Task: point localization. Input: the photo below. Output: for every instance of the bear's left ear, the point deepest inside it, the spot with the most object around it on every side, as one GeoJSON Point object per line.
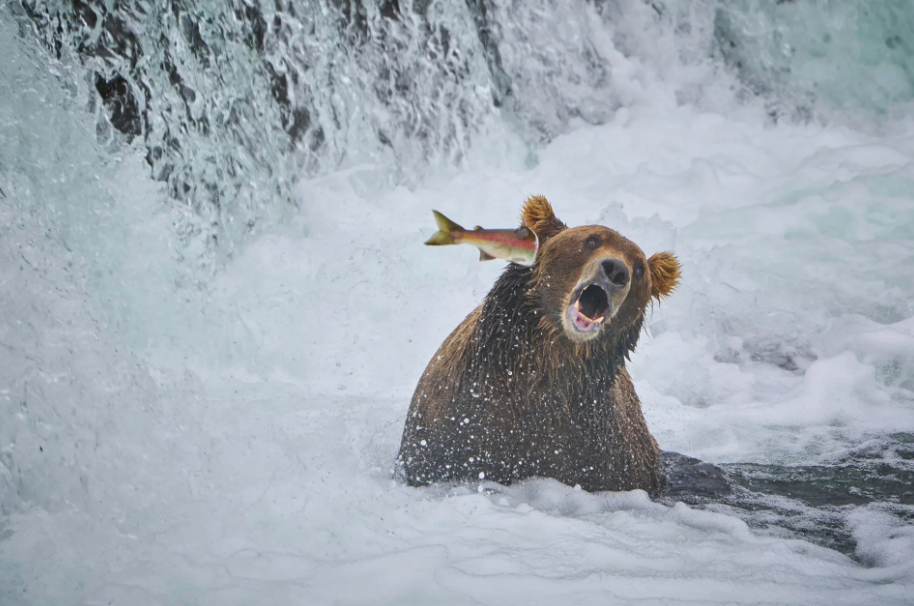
{"type": "Point", "coordinates": [664, 268]}
{"type": "Point", "coordinates": [538, 215]}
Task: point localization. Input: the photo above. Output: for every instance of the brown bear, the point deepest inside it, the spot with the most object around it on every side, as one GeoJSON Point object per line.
{"type": "Point", "coordinates": [533, 382]}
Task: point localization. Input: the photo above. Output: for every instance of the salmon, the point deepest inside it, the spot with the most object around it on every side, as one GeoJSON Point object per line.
{"type": "Point", "coordinates": [516, 245]}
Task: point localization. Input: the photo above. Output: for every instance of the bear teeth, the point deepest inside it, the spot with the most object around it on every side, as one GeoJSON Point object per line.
{"type": "Point", "coordinates": [592, 299]}
{"type": "Point", "coordinates": [577, 305]}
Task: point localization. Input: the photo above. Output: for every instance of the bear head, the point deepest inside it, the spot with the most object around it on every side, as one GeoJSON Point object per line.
{"type": "Point", "coordinates": [590, 282]}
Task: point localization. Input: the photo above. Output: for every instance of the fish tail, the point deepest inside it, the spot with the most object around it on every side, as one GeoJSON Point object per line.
{"type": "Point", "coordinates": [445, 233]}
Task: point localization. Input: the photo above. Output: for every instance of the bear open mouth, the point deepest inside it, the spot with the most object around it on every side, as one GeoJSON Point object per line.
{"type": "Point", "coordinates": [589, 309]}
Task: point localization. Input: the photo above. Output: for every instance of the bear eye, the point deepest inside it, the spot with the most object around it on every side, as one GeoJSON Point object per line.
{"type": "Point", "coordinates": [593, 242]}
{"type": "Point", "coordinates": [639, 270]}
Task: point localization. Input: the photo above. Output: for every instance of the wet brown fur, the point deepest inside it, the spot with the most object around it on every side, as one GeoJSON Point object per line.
{"type": "Point", "coordinates": [510, 395]}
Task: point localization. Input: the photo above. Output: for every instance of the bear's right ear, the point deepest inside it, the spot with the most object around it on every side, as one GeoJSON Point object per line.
{"type": "Point", "coordinates": [538, 216]}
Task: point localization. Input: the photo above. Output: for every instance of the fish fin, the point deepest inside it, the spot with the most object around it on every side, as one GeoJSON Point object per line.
{"type": "Point", "coordinates": [477, 228]}
{"type": "Point", "coordinates": [484, 256]}
{"type": "Point", "coordinates": [445, 233]}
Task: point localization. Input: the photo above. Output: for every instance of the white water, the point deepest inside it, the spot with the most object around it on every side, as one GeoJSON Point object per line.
{"type": "Point", "coordinates": [232, 444]}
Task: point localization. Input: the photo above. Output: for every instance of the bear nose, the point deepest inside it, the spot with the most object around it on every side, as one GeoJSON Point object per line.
{"type": "Point", "coordinates": [615, 271]}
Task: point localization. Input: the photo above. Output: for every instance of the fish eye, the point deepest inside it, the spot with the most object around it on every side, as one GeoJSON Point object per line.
{"type": "Point", "coordinates": [639, 270]}
{"type": "Point", "coordinates": [593, 242]}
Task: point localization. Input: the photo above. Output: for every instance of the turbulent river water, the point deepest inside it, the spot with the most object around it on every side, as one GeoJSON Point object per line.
{"type": "Point", "coordinates": [215, 302]}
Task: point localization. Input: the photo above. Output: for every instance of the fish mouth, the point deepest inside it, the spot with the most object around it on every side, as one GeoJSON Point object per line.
{"type": "Point", "coordinates": [590, 306]}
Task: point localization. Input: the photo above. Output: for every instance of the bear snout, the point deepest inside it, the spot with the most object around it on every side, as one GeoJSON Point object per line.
{"type": "Point", "coordinates": [615, 272]}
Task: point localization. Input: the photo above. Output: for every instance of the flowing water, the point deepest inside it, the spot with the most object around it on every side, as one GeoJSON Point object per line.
{"type": "Point", "coordinates": [215, 302]}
